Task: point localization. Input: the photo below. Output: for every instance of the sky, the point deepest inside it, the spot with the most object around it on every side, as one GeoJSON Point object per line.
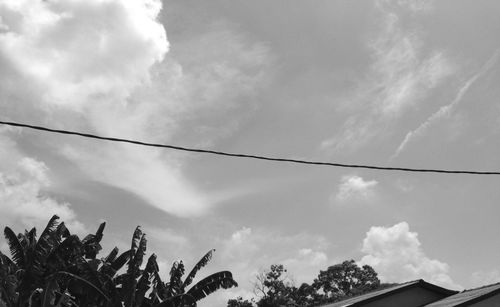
{"type": "Point", "coordinates": [408, 83]}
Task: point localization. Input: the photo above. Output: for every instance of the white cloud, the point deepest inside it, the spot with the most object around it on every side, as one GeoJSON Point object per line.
{"type": "Point", "coordinates": [355, 187]}
{"type": "Point", "coordinates": [397, 255]}
{"type": "Point", "coordinates": [80, 50]}
{"type": "Point", "coordinates": [247, 250]}
{"type": "Point", "coordinates": [307, 255]}
{"type": "Point", "coordinates": [102, 67]}
{"type": "Point", "coordinates": [23, 198]}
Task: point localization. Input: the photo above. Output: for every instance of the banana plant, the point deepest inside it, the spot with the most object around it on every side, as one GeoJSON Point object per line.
{"type": "Point", "coordinates": [57, 269]}
{"type": "Point", "coordinates": [175, 292]}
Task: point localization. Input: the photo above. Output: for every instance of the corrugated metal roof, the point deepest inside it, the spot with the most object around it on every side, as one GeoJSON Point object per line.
{"type": "Point", "coordinates": [468, 296]}
{"type": "Point", "coordinates": [358, 300]}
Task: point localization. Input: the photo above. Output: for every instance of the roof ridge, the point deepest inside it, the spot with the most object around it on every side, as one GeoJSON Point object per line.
{"type": "Point", "coordinates": [482, 287]}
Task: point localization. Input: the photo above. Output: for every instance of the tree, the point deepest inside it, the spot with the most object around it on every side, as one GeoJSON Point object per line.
{"type": "Point", "coordinates": [59, 269]}
{"type": "Point", "coordinates": [274, 287]}
{"type": "Point", "coordinates": [344, 280]}
{"type": "Point", "coordinates": [175, 293]}
{"type": "Point", "coordinates": [239, 302]}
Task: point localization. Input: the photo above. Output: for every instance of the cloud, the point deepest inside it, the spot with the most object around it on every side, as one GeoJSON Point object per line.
{"type": "Point", "coordinates": [481, 278]}
{"type": "Point", "coordinates": [444, 111]}
{"type": "Point", "coordinates": [80, 50]}
{"type": "Point", "coordinates": [397, 255]}
{"type": "Point", "coordinates": [23, 197]}
{"type": "Point", "coordinates": [103, 67]}
{"type": "Point", "coordinates": [401, 76]}
{"type": "Point", "coordinates": [246, 250]}
{"type": "Point", "coordinates": [412, 5]}
{"type": "Point", "coordinates": [307, 255]}
{"type": "Point", "coordinates": [355, 187]}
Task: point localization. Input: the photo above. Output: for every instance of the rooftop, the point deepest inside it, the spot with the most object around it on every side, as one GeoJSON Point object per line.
{"type": "Point", "coordinates": [468, 296]}
{"type": "Point", "coordinates": [377, 294]}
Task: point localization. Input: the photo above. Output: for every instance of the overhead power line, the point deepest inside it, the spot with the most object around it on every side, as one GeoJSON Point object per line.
{"type": "Point", "coordinates": [248, 156]}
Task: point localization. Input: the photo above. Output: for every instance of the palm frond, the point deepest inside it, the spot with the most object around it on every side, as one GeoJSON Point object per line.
{"type": "Point", "coordinates": [138, 251]}
{"type": "Point", "coordinates": [51, 227]}
{"type": "Point", "coordinates": [16, 249]}
{"type": "Point", "coordinates": [159, 289]}
{"type": "Point", "coordinates": [136, 258]}
{"type": "Point", "coordinates": [80, 279]}
{"type": "Point", "coordinates": [99, 232]}
{"type": "Point", "coordinates": [144, 283]}
{"type": "Point", "coordinates": [92, 242]}
{"type": "Point", "coordinates": [48, 240]}
{"type": "Point", "coordinates": [203, 262]}
{"type": "Point", "coordinates": [31, 236]}
{"type": "Point", "coordinates": [8, 280]}
{"type": "Point", "coordinates": [174, 287]}
{"type": "Point", "coordinates": [62, 231]}
{"type": "Point", "coordinates": [211, 284]}
{"type": "Point", "coordinates": [64, 255]}
{"type": "Point", "coordinates": [109, 268]}
{"type": "Point", "coordinates": [111, 256]}
{"type": "Point", "coordinates": [136, 238]}
{"type": "Point", "coordinates": [5, 262]}
{"type": "Point", "coordinates": [88, 271]}
{"type": "Point", "coordinates": [121, 260]}
{"type": "Point", "coordinates": [181, 300]}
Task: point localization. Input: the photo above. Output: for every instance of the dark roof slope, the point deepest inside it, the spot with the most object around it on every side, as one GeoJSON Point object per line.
{"type": "Point", "coordinates": [467, 297]}
{"type": "Point", "coordinates": [377, 294]}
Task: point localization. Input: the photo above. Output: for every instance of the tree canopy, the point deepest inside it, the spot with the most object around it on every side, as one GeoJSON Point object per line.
{"type": "Point", "coordinates": [275, 288]}
{"type": "Point", "coordinates": [57, 269]}
{"type": "Point", "coordinates": [345, 279]}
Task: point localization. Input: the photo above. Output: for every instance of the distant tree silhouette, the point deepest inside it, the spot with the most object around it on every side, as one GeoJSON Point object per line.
{"type": "Point", "coordinates": [275, 288]}
{"type": "Point", "coordinates": [344, 280]}
{"type": "Point", "coordinates": [239, 302]}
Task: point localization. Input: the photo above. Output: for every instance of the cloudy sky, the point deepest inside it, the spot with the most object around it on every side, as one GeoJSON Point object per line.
{"type": "Point", "coordinates": [409, 83]}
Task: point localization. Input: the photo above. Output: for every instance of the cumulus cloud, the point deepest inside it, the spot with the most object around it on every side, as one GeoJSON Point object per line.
{"type": "Point", "coordinates": [400, 77]}
{"type": "Point", "coordinates": [23, 197]}
{"type": "Point", "coordinates": [397, 255]}
{"type": "Point", "coordinates": [82, 50]}
{"type": "Point", "coordinates": [355, 187]}
{"type": "Point", "coordinates": [246, 250]}
{"type": "Point", "coordinates": [103, 67]}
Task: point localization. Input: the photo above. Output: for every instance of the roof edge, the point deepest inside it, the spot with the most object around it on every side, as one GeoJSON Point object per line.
{"type": "Point", "coordinates": [482, 297]}
{"type": "Point", "coordinates": [436, 288]}
{"type": "Point", "coordinates": [411, 284]}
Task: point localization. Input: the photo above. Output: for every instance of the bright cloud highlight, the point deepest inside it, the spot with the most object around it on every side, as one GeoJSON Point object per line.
{"type": "Point", "coordinates": [24, 204]}
{"type": "Point", "coordinates": [355, 187]}
{"type": "Point", "coordinates": [83, 50]}
{"type": "Point", "coordinates": [102, 67]}
{"type": "Point", "coordinates": [247, 250]}
{"type": "Point", "coordinates": [397, 255]}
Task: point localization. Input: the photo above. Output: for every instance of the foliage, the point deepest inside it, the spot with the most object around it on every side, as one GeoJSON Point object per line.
{"type": "Point", "coordinates": [239, 302]}
{"type": "Point", "coordinates": [57, 269]}
{"type": "Point", "coordinates": [174, 292]}
{"type": "Point", "coordinates": [344, 280]}
{"type": "Point", "coordinates": [275, 288]}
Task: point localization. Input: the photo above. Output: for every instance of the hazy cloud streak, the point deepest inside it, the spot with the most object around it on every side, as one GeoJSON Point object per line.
{"type": "Point", "coordinates": [447, 109]}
